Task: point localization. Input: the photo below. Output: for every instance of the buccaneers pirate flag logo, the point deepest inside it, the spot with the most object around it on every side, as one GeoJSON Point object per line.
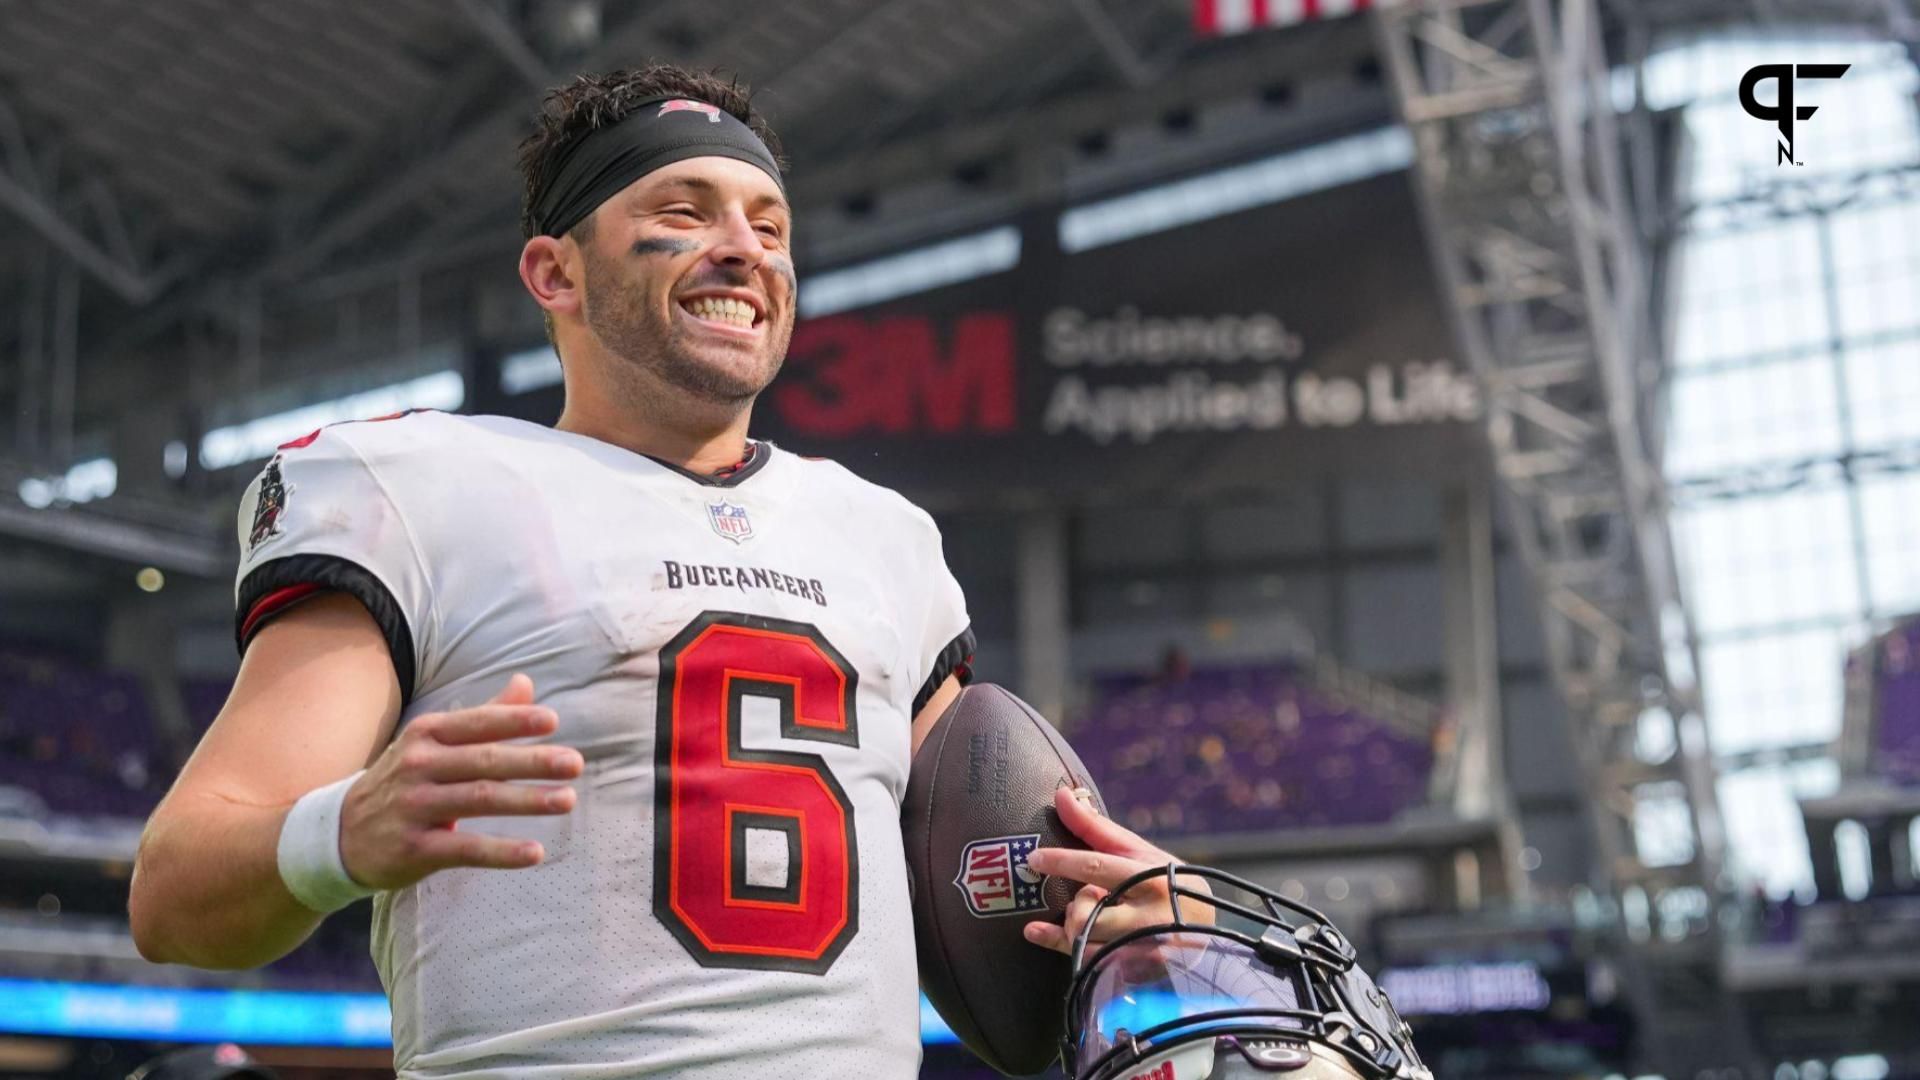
{"type": "Point", "coordinates": [269, 508]}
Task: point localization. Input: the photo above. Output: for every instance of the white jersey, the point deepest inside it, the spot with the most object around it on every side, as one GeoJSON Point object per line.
{"type": "Point", "coordinates": [739, 661]}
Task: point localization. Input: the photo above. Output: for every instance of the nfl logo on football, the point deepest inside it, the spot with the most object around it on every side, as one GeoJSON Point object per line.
{"type": "Point", "coordinates": [995, 877]}
{"type": "Point", "coordinates": [730, 521]}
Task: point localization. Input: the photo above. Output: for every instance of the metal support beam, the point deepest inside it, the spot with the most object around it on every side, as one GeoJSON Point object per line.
{"type": "Point", "coordinates": [1120, 52]}
{"type": "Point", "coordinates": [165, 533]}
{"type": "Point", "coordinates": [353, 210]}
{"type": "Point", "coordinates": [1789, 198]}
{"type": "Point", "coordinates": [1059, 121]}
{"type": "Point", "coordinates": [77, 530]}
{"type": "Point", "coordinates": [63, 381]}
{"type": "Point", "coordinates": [1902, 458]}
{"type": "Point", "coordinates": [1522, 193]}
{"type": "Point", "coordinates": [30, 187]}
{"type": "Point", "coordinates": [506, 41]}
{"type": "Point", "coordinates": [1898, 19]}
{"type": "Point", "coordinates": [126, 280]}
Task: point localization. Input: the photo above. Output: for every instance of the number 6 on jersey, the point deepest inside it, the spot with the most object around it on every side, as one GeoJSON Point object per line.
{"type": "Point", "coordinates": [754, 863]}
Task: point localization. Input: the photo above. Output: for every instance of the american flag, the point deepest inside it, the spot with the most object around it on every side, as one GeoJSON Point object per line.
{"type": "Point", "coordinates": [995, 877]}
{"type": "Point", "coordinates": [1026, 883]}
{"type": "Point", "coordinates": [1213, 18]}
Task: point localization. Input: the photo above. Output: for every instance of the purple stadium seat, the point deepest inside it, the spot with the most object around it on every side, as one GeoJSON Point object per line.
{"type": "Point", "coordinates": [336, 958]}
{"type": "Point", "coordinates": [1897, 705]}
{"type": "Point", "coordinates": [203, 699]}
{"type": "Point", "coordinates": [79, 736]}
{"type": "Point", "coordinates": [1245, 749]}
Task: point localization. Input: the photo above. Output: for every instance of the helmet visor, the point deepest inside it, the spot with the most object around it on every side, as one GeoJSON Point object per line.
{"type": "Point", "coordinates": [1181, 980]}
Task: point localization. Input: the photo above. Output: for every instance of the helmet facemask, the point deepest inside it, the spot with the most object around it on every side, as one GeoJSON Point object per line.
{"type": "Point", "coordinates": [1227, 990]}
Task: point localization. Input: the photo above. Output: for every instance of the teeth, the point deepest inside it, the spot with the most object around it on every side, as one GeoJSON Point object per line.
{"type": "Point", "coordinates": [722, 309]}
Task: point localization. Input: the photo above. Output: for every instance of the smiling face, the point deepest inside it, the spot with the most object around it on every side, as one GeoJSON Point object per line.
{"type": "Point", "coordinates": [688, 276]}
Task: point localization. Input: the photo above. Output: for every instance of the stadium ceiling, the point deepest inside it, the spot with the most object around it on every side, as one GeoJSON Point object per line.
{"type": "Point", "coordinates": [172, 175]}
{"type": "Point", "coordinates": [172, 168]}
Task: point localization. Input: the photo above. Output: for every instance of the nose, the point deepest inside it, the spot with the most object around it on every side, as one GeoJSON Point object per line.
{"type": "Point", "coordinates": [738, 245]}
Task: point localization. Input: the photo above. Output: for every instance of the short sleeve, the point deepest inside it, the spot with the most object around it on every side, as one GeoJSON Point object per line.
{"type": "Point", "coordinates": [317, 519]}
{"type": "Point", "coordinates": [947, 642]}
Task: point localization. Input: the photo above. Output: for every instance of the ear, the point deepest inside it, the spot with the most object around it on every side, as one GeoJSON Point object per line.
{"type": "Point", "coordinates": [549, 269]}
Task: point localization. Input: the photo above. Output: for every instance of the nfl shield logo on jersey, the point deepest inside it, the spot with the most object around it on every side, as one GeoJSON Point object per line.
{"type": "Point", "coordinates": [996, 879]}
{"type": "Point", "coordinates": [730, 521]}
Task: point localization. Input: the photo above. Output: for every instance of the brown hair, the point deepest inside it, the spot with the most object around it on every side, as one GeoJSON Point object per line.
{"type": "Point", "coordinates": [591, 102]}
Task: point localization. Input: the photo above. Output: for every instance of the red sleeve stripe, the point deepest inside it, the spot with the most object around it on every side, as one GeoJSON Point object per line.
{"type": "Point", "coordinates": [307, 440]}
{"type": "Point", "coordinates": [273, 602]}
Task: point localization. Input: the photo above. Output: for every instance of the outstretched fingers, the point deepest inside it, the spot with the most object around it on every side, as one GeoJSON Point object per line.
{"type": "Point", "coordinates": [399, 821]}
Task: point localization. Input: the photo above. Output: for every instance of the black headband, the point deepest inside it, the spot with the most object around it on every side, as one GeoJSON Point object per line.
{"type": "Point", "coordinates": [657, 133]}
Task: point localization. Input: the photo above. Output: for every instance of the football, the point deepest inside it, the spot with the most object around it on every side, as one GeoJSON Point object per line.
{"type": "Point", "coordinates": [979, 799]}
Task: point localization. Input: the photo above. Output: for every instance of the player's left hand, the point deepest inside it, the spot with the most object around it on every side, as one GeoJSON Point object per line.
{"type": "Point", "coordinates": [1117, 854]}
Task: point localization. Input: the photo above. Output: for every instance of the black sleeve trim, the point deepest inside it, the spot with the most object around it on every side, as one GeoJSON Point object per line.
{"type": "Point", "coordinates": [953, 660]}
{"type": "Point", "coordinates": [330, 572]}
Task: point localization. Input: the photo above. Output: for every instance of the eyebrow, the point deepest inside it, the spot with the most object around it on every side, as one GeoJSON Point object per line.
{"type": "Point", "coordinates": [701, 183]}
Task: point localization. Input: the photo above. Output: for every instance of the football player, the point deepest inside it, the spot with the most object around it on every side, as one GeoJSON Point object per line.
{"type": "Point", "coordinates": [612, 719]}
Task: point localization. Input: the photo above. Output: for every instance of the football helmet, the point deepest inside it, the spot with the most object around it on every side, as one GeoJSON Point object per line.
{"type": "Point", "coordinates": [1226, 991]}
{"type": "Point", "coordinates": [222, 1062]}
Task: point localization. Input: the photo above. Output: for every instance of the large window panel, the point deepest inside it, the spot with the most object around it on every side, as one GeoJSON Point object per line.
{"type": "Point", "coordinates": [1732, 418]}
{"type": "Point", "coordinates": [1699, 332]}
{"type": "Point", "coordinates": [1890, 511]}
{"type": "Point", "coordinates": [1865, 121]}
{"type": "Point", "coordinates": [1883, 391]}
{"type": "Point", "coordinates": [1879, 303]}
{"type": "Point", "coordinates": [1877, 241]}
{"type": "Point", "coordinates": [1768, 841]}
{"type": "Point", "coordinates": [1798, 340]}
{"type": "Point", "coordinates": [1721, 170]}
{"type": "Point", "coordinates": [1863, 130]}
{"type": "Point", "coordinates": [1871, 123]}
{"type": "Point", "coordinates": [1773, 690]}
{"type": "Point", "coordinates": [1750, 292]}
{"type": "Point", "coordinates": [1767, 561]}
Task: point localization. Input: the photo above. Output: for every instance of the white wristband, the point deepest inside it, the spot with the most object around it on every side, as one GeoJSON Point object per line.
{"type": "Point", "coordinates": [310, 850]}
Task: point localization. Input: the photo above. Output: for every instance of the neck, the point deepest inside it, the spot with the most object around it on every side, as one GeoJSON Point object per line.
{"type": "Point", "coordinates": [698, 437]}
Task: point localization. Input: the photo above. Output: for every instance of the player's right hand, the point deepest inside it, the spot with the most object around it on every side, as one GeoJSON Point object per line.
{"type": "Point", "coordinates": [398, 823]}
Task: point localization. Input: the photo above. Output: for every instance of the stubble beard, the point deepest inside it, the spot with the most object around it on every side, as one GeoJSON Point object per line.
{"type": "Point", "coordinates": [641, 344]}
